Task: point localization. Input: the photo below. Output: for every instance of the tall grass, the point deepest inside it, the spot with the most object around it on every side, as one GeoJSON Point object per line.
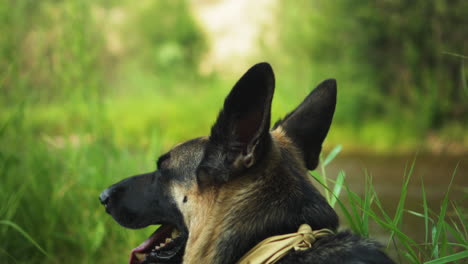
{"type": "Point", "coordinates": [50, 212]}
{"type": "Point", "coordinates": [63, 139]}
{"type": "Point", "coordinates": [446, 238]}
{"type": "Point", "coordinates": [55, 160]}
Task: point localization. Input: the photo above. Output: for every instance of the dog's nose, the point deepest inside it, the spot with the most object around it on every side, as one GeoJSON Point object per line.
{"type": "Point", "coordinates": [104, 196]}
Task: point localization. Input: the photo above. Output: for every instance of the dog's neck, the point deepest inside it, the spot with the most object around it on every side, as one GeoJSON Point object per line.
{"type": "Point", "coordinates": [222, 234]}
{"type": "Point", "coordinates": [203, 228]}
{"type": "Point", "coordinates": [219, 226]}
{"type": "Point", "coordinates": [233, 219]}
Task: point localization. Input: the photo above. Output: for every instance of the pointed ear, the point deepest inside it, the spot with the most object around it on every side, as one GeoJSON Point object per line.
{"type": "Point", "coordinates": [241, 132]}
{"type": "Point", "coordinates": [308, 124]}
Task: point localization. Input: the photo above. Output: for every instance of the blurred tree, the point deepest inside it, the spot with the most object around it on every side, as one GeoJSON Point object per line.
{"type": "Point", "coordinates": [73, 50]}
{"type": "Point", "coordinates": [168, 39]}
{"type": "Point", "coordinates": [49, 51]}
{"type": "Point", "coordinates": [394, 56]}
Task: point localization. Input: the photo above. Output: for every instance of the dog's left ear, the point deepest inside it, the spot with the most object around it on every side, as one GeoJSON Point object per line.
{"type": "Point", "coordinates": [241, 133]}
{"type": "Point", "coordinates": [308, 124]}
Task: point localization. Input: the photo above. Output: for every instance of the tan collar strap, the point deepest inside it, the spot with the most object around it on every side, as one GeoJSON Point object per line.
{"type": "Point", "coordinates": [274, 248]}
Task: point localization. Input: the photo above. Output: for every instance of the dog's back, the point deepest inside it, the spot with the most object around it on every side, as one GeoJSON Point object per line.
{"type": "Point", "coordinates": [342, 247]}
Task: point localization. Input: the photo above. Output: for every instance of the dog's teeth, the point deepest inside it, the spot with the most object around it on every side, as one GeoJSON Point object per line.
{"type": "Point", "coordinates": [168, 240]}
{"type": "Point", "coordinates": [140, 256]}
{"type": "Point", "coordinates": [175, 233]}
{"type": "Point", "coordinates": [157, 247]}
{"type": "Point", "coordinates": [162, 245]}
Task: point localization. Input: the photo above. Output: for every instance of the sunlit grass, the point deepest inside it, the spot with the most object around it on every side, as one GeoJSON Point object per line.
{"type": "Point", "coordinates": [49, 195]}
{"type": "Point", "coordinates": [133, 119]}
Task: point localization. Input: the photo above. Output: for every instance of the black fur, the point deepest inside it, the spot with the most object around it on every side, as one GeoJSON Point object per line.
{"type": "Point", "coordinates": [241, 132]}
{"type": "Point", "coordinates": [134, 208]}
{"type": "Point", "coordinates": [343, 247]}
{"type": "Point", "coordinates": [308, 124]}
{"type": "Point", "coordinates": [285, 212]}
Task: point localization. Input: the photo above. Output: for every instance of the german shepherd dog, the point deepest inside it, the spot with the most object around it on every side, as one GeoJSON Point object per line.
{"type": "Point", "coordinates": [217, 197]}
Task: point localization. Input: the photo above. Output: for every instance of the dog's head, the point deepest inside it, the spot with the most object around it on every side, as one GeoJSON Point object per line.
{"type": "Point", "coordinates": [217, 196]}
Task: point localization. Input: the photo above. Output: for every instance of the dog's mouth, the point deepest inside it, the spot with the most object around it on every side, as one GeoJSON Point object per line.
{"type": "Point", "coordinates": [165, 245]}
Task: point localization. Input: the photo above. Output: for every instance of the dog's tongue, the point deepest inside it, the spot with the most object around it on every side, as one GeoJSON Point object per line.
{"type": "Point", "coordinates": [142, 247]}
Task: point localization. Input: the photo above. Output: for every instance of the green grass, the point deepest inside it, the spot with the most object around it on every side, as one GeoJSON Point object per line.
{"type": "Point", "coordinates": [132, 117]}
{"type": "Point", "coordinates": [446, 238]}
{"type": "Point", "coordinates": [55, 161]}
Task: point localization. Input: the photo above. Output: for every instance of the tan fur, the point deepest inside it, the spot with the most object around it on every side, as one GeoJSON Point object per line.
{"type": "Point", "coordinates": [210, 212]}
{"type": "Point", "coordinates": [280, 135]}
{"type": "Point", "coordinates": [285, 142]}
{"type": "Point", "coordinates": [199, 218]}
{"type": "Point", "coordinates": [205, 216]}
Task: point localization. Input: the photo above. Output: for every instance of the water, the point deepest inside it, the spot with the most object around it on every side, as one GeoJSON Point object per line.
{"type": "Point", "coordinates": [387, 176]}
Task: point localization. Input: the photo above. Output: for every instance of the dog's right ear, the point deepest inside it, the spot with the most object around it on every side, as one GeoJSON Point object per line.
{"type": "Point", "coordinates": [308, 124]}
{"type": "Point", "coordinates": [241, 133]}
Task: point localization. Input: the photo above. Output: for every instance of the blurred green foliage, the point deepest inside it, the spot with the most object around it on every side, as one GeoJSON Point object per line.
{"type": "Point", "coordinates": [175, 42]}
{"type": "Point", "coordinates": [49, 51]}
{"type": "Point", "coordinates": [63, 139]}
{"type": "Point", "coordinates": [398, 60]}
{"type": "Point", "coordinates": [72, 50]}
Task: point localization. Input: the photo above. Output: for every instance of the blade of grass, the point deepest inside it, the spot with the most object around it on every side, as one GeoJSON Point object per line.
{"type": "Point", "coordinates": [450, 258]}
{"type": "Point", "coordinates": [368, 197]}
{"type": "Point", "coordinates": [335, 151]}
{"type": "Point", "coordinates": [321, 178]}
{"type": "Point", "coordinates": [426, 213]}
{"type": "Point", "coordinates": [317, 176]}
{"type": "Point", "coordinates": [404, 191]}
{"type": "Point", "coordinates": [460, 218]}
{"type": "Point", "coordinates": [455, 54]}
{"type": "Point", "coordinates": [331, 156]}
{"type": "Point", "coordinates": [346, 212]}
{"type": "Point", "coordinates": [435, 246]}
{"type": "Point", "coordinates": [355, 203]}
{"type": "Point", "coordinates": [453, 230]}
{"type": "Point", "coordinates": [405, 240]}
{"type": "Point", "coordinates": [324, 181]}
{"type": "Point", "coordinates": [464, 245]}
{"type": "Point", "coordinates": [348, 216]}
{"type": "Point", "coordinates": [379, 205]}
{"type": "Point", "coordinates": [389, 225]}
{"type": "Point", "coordinates": [441, 219]}
{"type": "Point", "coordinates": [25, 234]}
{"type": "Point", "coordinates": [416, 214]}
{"type": "Point", "coordinates": [401, 203]}
{"type": "Point", "coordinates": [409, 256]}
{"type": "Point", "coordinates": [337, 188]}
